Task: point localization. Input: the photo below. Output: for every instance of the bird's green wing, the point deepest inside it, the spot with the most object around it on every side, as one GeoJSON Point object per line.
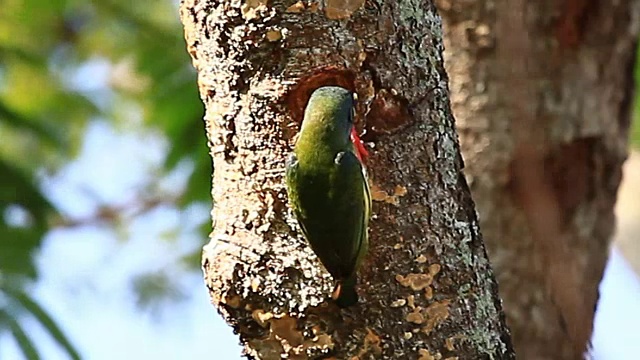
{"type": "Point", "coordinates": [332, 209]}
{"type": "Point", "coordinates": [364, 247]}
{"type": "Point", "coordinates": [352, 201]}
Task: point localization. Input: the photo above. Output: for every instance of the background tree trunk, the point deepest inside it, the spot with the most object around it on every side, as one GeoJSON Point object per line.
{"type": "Point", "coordinates": [427, 291]}
{"type": "Point", "coordinates": [542, 91]}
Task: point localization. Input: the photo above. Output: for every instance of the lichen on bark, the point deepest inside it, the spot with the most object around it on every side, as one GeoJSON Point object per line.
{"type": "Point", "coordinates": [426, 286]}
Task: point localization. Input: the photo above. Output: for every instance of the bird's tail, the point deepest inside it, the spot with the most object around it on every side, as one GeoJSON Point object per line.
{"type": "Point", "coordinates": [344, 293]}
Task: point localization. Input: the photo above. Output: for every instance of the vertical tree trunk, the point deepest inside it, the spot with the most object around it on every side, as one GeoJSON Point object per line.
{"type": "Point", "coordinates": [426, 288]}
{"type": "Point", "coordinates": [541, 91]}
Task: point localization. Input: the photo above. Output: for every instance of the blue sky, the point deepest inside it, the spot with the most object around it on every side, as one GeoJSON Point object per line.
{"type": "Point", "coordinates": [616, 334]}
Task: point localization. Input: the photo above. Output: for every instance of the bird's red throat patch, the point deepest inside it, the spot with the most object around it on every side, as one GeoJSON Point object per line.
{"type": "Point", "coordinates": [361, 151]}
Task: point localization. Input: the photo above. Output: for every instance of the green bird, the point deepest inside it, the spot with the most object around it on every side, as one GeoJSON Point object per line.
{"type": "Point", "coordinates": [328, 190]}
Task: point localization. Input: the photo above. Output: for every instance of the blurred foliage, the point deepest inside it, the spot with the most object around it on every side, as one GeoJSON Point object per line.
{"type": "Point", "coordinates": [46, 101]}
{"type": "Point", "coordinates": [150, 287]}
{"type": "Point", "coordinates": [634, 132]}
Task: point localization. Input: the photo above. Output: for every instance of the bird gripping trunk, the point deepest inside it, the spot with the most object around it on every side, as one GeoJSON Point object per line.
{"type": "Point", "coordinates": [328, 189]}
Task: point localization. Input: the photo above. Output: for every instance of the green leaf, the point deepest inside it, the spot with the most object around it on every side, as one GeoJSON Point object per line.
{"type": "Point", "coordinates": [635, 134]}
{"type": "Point", "coordinates": [17, 187]}
{"type": "Point", "coordinates": [24, 342]}
{"type": "Point", "coordinates": [17, 246]}
{"type": "Point", "coordinates": [193, 260]}
{"type": "Point", "coordinates": [199, 184]}
{"type": "Point", "coordinates": [21, 54]}
{"type": "Point", "coordinates": [178, 112]}
{"type": "Point", "coordinates": [40, 129]}
{"type": "Point", "coordinates": [152, 289]}
{"type": "Point", "coordinates": [45, 320]}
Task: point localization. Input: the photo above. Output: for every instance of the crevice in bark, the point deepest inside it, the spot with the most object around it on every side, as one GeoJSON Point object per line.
{"type": "Point", "coordinates": [573, 21]}
{"type": "Point", "coordinates": [570, 168]}
{"type": "Point", "coordinates": [544, 209]}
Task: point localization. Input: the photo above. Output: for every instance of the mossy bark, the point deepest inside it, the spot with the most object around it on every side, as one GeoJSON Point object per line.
{"type": "Point", "coordinates": [426, 287]}
{"type": "Point", "coordinates": [542, 91]}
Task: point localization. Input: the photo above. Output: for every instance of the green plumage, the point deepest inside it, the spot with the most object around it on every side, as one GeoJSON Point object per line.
{"type": "Point", "coordinates": [328, 190]}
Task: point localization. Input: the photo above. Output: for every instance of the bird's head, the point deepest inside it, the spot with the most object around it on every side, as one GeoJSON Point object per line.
{"type": "Point", "coordinates": [328, 119]}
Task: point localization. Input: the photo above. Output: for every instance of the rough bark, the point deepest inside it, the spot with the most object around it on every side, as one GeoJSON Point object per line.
{"type": "Point", "coordinates": [541, 91]}
{"type": "Point", "coordinates": [426, 287]}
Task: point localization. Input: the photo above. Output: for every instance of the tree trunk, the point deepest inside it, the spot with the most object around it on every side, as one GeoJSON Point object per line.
{"type": "Point", "coordinates": [541, 91]}
{"type": "Point", "coordinates": [426, 288]}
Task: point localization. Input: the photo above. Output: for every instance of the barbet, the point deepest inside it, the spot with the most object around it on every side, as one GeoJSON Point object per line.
{"type": "Point", "coordinates": [328, 190]}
